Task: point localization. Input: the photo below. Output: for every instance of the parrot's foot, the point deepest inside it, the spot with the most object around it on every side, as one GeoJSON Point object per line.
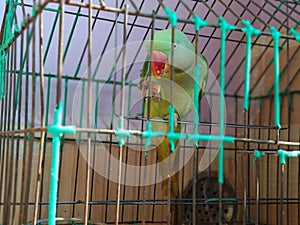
{"type": "Point", "coordinates": [150, 89]}
{"type": "Point", "coordinates": [176, 117]}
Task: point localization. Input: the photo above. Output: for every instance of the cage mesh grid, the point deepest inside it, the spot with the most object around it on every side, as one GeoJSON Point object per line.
{"type": "Point", "coordinates": [35, 71]}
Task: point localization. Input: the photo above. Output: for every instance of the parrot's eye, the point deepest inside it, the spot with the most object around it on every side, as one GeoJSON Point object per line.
{"type": "Point", "coordinates": [175, 46]}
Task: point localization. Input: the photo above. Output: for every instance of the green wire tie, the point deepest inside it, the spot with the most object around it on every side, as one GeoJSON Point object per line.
{"type": "Point", "coordinates": [276, 35]}
{"type": "Point", "coordinates": [249, 30]}
{"type": "Point", "coordinates": [283, 154]}
{"type": "Point", "coordinates": [172, 136]}
{"type": "Point", "coordinates": [257, 154]}
{"type": "Point", "coordinates": [121, 133]}
{"type": "Point", "coordinates": [148, 134]}
{"type": "Point", "coordinates": [225, 27]}
{"type": "Point", "coordinates": [295, 34]}
{"type": "Point", "coordinates": [198, 22]}
{"type": "Point", "coordinates": [172, 17]}
{"type": "Point", "coordinates": [57, 130]}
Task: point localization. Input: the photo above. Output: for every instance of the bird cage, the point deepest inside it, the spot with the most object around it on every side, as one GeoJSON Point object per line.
{"type": "Point", "coordinates": [77, 145]}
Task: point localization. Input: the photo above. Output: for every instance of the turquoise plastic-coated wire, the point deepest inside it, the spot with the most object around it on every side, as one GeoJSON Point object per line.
{"type": "Point", "coordinates": [122, 133]}
{"type": "Point", "coordinates": [171, 16]}
{"type": "Point", "coordinates": [276, 35]}
{"type": "Point", "coordinates": [281, 47]}
{"type": "Point", "coordinates": [2, 74]}
{"type": "Point", "coordinates": [172, 136]}
{"type": "Point", "coordinates": [148, 134]}
{"type": "Point", "coordinates": [198, 22]}
{"type": "Point", "coordinates": [295, 34]}
{"type": "Point", "coordinates": [48, 101]}
{"type": "Point", "coordinates": [81, 108]}
{"type": "Point", "coordinates": [210, 200]}
{"type": "Point", "coordinates": [33, 12]}
{"type": "Point", "coordinates": [96, 108]}
{"type": "Point", "coordinates": [225, 27]}
{"type": "Point", "coordinates": [196, 101]}
{"type": "Point", "coordinates": [51, 35]}
{"type": "Point", "coordinates": [65, 102]}
{"type": "Point", "coordinates": [290, 154]}
{"type": "Point", "coordinates": [257, 154]}
{"type": "Point", "coordinates": [71, 34]}
{"type": "Point", "coordinates": [7, 36]}
{"type": "Point", "coordinates": [56, 130]}
{"type": "Point", "coordinates": [249, 30]}
{"type": "Point", "coordinates": [209, 137]}
{"type": "Point", "coordinates": [195, 136]}
{"type": "Point", "coordinates": [8, 27]}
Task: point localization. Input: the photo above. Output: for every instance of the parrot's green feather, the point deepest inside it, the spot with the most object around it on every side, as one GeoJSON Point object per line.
{"type": "Point", "coordinates": [145, 68]}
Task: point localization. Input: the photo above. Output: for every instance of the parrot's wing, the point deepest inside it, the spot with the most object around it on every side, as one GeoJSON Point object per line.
{"type": "Point", "coordinates": [204, 82]}
{"type": "Point", "coordinates": [184, 100]}
{"type": "Point", "coordinates": [145, 69]}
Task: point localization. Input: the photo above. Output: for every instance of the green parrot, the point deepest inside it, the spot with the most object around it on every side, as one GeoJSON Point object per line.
{"type": "Point", "coordinates": [157, 90]}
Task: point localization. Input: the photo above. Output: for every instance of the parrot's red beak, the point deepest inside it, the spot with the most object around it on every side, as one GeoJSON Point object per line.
{"type": "Point", "coordinates": [159, 63]}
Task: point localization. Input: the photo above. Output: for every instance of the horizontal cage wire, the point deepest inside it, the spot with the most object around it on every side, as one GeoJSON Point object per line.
{"type": "Point", "coordinates": [149, 112]}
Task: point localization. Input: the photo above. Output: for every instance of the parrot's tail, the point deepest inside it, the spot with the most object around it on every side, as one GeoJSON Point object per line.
{"type": "Point", "coordinates": [168, 165]}
{"type": "Point", "coordinates": [175, 207]}
{"type": "Point", "coordinates": [174, 186]}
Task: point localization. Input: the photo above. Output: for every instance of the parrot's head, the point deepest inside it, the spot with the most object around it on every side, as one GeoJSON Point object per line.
{"type": "Point", "coordinates": [162, 47]}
